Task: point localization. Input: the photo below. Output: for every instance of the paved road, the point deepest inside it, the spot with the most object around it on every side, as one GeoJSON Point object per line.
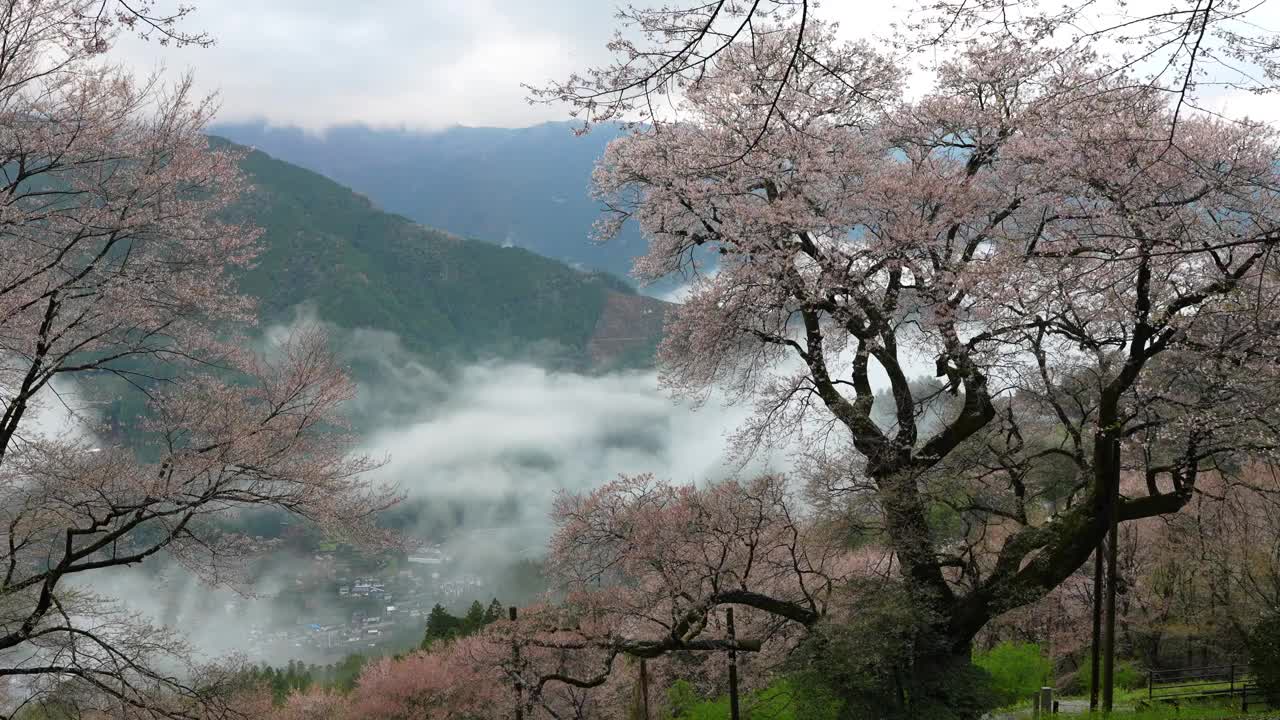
{"type": "Point", "coordinates": [1064, 706]}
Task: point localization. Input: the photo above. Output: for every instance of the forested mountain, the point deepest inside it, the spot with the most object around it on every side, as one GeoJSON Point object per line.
{"type": "Point", "coordinates": [449, 299]}
{"type": "Point", "coordinates": [527, 187]}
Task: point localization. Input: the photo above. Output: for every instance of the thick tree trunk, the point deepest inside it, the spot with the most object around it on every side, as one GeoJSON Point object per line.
{"type": "Point", "coordinates": [946, 685]}
{"type": "Point", "coordinates": [1038, 558]}
{"type": "Point", "coordinates": [943, 682]}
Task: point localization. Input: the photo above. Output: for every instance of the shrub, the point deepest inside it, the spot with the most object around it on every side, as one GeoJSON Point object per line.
{"type": "Point", "coordinates": [1129, 676]}
{"type": "Point", "coordinates": [1264, 655]}
{"type": "Point", "coordinates": [1018, 670]}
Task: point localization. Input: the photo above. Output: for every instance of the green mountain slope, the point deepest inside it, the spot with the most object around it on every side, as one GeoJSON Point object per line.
{"type": "Point", "coordinates": [523, 186]}
{"type": "Point", "coordinates": [449, 299]}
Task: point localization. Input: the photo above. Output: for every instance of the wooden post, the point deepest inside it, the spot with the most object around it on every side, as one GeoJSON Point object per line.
{"type": "Point", "coordinates": [733, 667]}
{"type": "Point", "coordinates": [515, 664]}
{"type": "Point", "coordinates": [1233, 677]}
{"type": "Point", "coordinates": [1151, 684]}
{"type": "Point", "coordinates": [644, 688]}
{"type": "Point", "coordinates": [1113, 548]}
{"type": "Point", "coordinates": [1095, 650]}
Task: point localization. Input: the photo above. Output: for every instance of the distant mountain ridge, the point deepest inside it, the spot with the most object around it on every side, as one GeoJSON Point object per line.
{"type": "Point", "coordinates": [527, 187]}
{"type": "Point", "coordinates": [449, 299]}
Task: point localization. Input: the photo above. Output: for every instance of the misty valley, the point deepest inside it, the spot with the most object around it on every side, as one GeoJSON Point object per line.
{"type": "Point", "coordinates": [480, 466]}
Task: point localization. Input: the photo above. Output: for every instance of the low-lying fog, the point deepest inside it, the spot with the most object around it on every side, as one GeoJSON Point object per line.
{"type": "Point", "coordinates": [507, 436]}
{"type": "Point", "coordinates": [480, 453]}
{"type": "Point", "coordinates": [519, 433]}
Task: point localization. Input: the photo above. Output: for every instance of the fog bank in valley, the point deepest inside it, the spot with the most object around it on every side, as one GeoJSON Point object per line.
{"type": "Point", "coordinates": [507, 437]}
{"type": "Point", "coordinates": [479, 452]}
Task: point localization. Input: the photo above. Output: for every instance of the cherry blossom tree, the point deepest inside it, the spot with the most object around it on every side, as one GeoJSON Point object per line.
{"type": "Point", "coordinates": [312, 704]}
{"type": "Point", "coordinates": [425, 686]}
{"type": "Point", "coordinates": [644, 569]}
{"type": "Point", "coordinates": [1194, 51]}
{"type": "Point", "coordinates": [1220, 569]}
{"type": "Point", "coordinates": [1097, 294]}
{"type": "Point", "coordinates": [503, 671]}
{"type": "Point", "coordinates": [1192, 584]}
{"type": "Point", "coordinates": [726, 542]}
{"type": "Point", "coordinates": [1241, 537]}
{"type": "Point", "coordinates": [116, 265]}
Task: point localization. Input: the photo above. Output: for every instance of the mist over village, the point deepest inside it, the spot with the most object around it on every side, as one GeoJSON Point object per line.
{"type": "Point", "coordinates": [721, 360]}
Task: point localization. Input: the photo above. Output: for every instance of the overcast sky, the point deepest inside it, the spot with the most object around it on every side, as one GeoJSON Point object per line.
{"type": "Point", "coordinates": [416, 63]}
{"type": "Point", "coordinates": [425, 64]}
{"type": "Point", "coordinates": [411, 63]}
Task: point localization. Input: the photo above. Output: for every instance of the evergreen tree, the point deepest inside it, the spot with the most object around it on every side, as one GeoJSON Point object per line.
{"type": "Point", "coordinates": [440, 626]}
{"type": "Point", "coordinates": [347, 672]}
{"type": "Point", "coordinates": [474, 619]}
{"type": "Point", "coordinates": [493, 612]}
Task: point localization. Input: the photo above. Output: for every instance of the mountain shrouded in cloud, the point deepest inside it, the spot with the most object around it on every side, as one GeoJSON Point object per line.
{"type": "Point", "coordinates": [527, 187]}
{"type": "Point", "coordinates": [450, 300]}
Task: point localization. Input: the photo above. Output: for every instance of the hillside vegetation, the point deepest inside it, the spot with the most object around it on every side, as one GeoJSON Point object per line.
{"type": "Point", "coordinates": [449, 299]}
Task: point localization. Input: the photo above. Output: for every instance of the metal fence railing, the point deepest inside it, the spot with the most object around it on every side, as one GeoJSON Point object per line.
{"type": "Point", "coordinates": [1207, 683]}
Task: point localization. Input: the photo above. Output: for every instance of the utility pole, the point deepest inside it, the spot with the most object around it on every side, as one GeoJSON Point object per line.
{"type": "Point", "coordinates": [733, 667]}
{"type": "Point", "coordinates": [1095, 651]}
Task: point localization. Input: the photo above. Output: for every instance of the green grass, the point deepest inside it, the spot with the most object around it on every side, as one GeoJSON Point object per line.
{"type": "Point", "coordinates": [1194, 712]}
{"type": "Point", "coordinates": [1133, 705]}
{"type": "Point", "coordinates": [1017, 670]}
{"type": "Point", "coordinates": [1134, 695]}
